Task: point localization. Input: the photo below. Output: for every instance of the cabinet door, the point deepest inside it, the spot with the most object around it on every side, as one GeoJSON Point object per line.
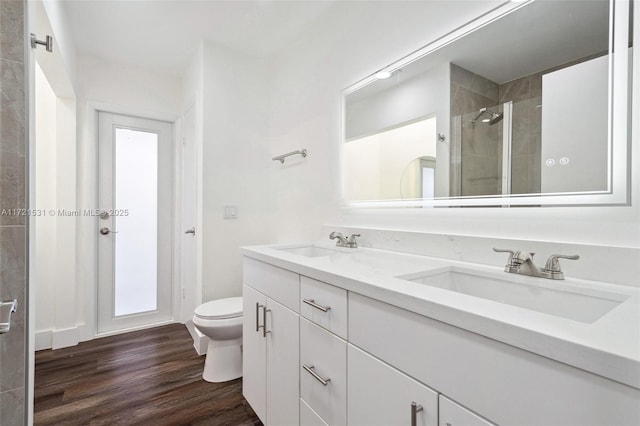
{"type": "Point", "coordinates": [283, 356]}
{"type": "Point", "coordinates": [452, 414]}
{"type": "Point", "coordinates": [381, 395]}
{"type": "Point", "coordinates": [254, 368]}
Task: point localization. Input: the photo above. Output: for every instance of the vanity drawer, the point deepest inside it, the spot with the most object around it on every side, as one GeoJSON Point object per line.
{"type": "Point", "coordinates": [279, 284]}
{"type": "Point", "coordinates": [452, 414]}
{"type": "Point", "coordinates": [324, 304]}
{"type": "Point", "coordinates": [323, 356]}
{"type": "Point", "coordinates": [308, 417]}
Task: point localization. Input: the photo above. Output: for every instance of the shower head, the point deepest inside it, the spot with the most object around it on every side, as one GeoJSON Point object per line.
{"type": "Point", "coordinates": [495, 117]}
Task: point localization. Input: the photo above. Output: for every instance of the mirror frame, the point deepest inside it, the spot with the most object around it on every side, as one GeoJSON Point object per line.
{"type": "Point", "coordinates": [619, 141]}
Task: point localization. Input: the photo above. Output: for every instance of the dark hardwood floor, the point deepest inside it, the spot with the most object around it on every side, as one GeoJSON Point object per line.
{"type": "Point", "coordinates": [149, 377]}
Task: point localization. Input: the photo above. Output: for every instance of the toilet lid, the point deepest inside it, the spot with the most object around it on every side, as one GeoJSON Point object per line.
{"type": "Point", "coordinates": [220, 309]}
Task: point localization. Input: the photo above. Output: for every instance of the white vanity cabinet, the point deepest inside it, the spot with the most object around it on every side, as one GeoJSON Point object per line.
{"type": "Point", "coordinates": [318, 354]}
{"type": "Point", "coordinates": [270, 353]}
{"type": "Point", "coordinates": [380, 395]}
{"type": "Point", "coordinates": [507, 385]}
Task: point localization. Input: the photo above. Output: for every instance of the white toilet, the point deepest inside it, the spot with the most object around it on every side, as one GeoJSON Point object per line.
{"type": "Point", "coordinates": [221, 321]}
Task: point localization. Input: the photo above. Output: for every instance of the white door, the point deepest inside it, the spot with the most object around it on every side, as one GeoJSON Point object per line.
{"type": "Point", "coordinates": [134, 226]}
{"type": "Point", "coordinates": [188, 217]}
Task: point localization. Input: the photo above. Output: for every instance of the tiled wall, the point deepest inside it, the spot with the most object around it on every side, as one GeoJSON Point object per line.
{"type": "Point", "coordinates": [526, 142]}
{"type": "Point", "coordinates": [481, 144]}
{"type": "Point", "coordinates": [13, 226]}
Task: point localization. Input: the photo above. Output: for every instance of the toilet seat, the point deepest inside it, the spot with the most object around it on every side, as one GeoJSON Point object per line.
{"type": "Point", "coordinates": [220, 309]}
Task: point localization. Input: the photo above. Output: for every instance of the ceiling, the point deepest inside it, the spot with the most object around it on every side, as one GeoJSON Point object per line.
{"type": "Point", "coordinates": [163, 35]}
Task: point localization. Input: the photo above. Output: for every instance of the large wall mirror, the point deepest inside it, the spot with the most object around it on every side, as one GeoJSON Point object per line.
{"type": "Point", "coordinates": [526, 106]}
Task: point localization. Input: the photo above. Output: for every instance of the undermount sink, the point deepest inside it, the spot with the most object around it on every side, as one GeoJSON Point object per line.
{"type": "Point", "coordinates": [309, 251]}
{"type": "Point", "coordinates": [549, 297]}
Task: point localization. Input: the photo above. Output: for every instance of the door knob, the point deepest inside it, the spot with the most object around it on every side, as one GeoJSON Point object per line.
{"type": "Point", "coordinates": [106, 231]}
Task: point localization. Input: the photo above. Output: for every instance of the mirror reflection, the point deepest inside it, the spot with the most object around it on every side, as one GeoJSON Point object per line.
{"type": "Point", "coordinates": [518, 106]}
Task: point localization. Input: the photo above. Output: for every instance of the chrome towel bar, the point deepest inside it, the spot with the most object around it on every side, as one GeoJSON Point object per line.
{"type": "Point", "coordinates": [281, 158]}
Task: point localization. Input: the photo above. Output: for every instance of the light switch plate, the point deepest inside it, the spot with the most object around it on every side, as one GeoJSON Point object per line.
{"type": "Point", "coordinates": [230, 212]}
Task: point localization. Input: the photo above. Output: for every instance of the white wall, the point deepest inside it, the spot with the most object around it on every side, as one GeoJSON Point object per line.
{"type": "Point", "coordinates": [133, 89]}
{"type": "Point", "coordinates": [61, 66]}
{"type": "Point", "coordinates": [306, 81]}
{"type": "Point", "coordinates": [423, 95]}
{"type": "Point", "coordinates": [235, 166]}
{"type": "Point", "coordinates": [379, 167]}
{"type": "Point", "coordinates": [55, 230]}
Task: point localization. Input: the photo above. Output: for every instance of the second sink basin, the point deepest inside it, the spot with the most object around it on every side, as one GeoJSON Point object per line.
{"type": "Point", "coordinates": [550, 297]}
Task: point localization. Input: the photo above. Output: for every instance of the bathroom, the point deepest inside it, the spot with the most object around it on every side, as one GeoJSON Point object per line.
{"type": "Point", "coordinates": [248, 94]}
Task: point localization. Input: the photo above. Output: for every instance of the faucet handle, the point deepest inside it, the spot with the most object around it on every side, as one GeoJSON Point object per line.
{"type": "Point", "coordinates": [511, 253]}
{"type": "Point", "coordinates": [553, 265]}
{"type": "Point", "coordinates": [352, 240]}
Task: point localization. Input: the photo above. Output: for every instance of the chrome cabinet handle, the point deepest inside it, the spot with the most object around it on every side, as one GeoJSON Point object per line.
{"type": "Point", "coordinates": [309, 369]}
{"type": "Point", "coordinates": [264, 321]}
{"type": "Point", "coordinates": [313, 303]}
{"type": "Point", "coordinates": [415, 409]}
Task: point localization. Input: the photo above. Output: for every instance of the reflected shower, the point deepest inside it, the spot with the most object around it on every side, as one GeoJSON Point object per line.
{"type": "Point", "coordinates": [495, 117]}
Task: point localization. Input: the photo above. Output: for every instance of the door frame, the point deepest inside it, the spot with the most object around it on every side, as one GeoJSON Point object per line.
{"type": "Point", "coordinates": [107, 323]}
{"type": "Point", "coordinates": [87, 255]}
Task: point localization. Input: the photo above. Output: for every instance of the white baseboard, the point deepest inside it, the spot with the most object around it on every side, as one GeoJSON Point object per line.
{"type": "Point", "coordinates": [43, 340]}
{"type": "Point", "coordinates": [64, 338]}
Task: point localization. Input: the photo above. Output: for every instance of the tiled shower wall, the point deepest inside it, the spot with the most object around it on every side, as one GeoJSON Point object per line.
{"type": "Point", "coordinates": [480, 145]}
{"type": "Point", "coordinates": [13, 224]}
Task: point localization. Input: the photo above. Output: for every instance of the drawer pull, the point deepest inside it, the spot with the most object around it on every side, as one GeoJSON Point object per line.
{"type": "Point", "coordinates": [310, 368]}
{"type": "Point", "coordinates": [415, 409]}
{"type": "Point", "coordinates": [315, 305]}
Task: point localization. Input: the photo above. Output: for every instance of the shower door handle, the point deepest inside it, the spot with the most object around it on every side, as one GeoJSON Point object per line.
{"type": "Point", "coordinates": [7, 307]}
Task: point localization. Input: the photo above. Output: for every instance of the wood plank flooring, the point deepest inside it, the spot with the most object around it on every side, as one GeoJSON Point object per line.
{"type": "Point", "coordinates": [148, 377]}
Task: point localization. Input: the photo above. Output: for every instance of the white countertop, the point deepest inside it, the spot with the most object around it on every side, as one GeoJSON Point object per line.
{"type": "Point", "coordinates": [609, 347]}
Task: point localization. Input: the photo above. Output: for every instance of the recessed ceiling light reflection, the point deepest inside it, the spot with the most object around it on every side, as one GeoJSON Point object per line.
{"type": "Point", "coordinates": [382, 75]}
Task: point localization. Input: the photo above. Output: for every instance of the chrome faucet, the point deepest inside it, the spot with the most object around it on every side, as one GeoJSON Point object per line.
{"type": "Point", "coordinates": [521, 262]}
{"type": "Point", "coordinates": [349, 241]}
